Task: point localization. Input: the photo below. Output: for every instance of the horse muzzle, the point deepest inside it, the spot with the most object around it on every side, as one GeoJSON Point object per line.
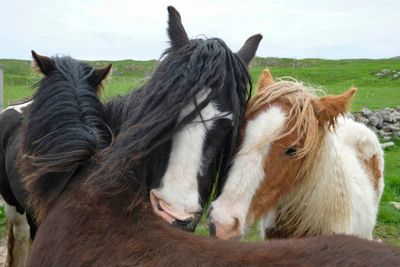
{"type": "Point", "coordinates": [183, 220]}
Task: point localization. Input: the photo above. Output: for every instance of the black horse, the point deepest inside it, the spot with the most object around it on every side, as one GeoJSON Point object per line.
{"type": "Point", "coordinates": [67, 79]}
{"type": "Point", "coordinates": [21, 226]}
{"type": "Point", "coordinates": [182, 125]}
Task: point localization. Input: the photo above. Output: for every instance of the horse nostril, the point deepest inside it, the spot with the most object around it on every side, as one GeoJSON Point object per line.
{"type": "Point", "coordinates": [197, 216]}
{"type": "Point", "coordinates": [212, 230]}
{"type": "Point", "coordinates": [183, 223]}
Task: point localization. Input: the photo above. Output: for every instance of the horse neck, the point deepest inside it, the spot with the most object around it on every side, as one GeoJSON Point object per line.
{"type": "Point", "coordinates": [178, 248]}
{"type": "Point", "coordinates": [139, 237]}
{"type": "Point", "coordinates": [318, 204]}
{"type": "Point", "coordinates": [182, 248]}
{"type": "Point", "coordinates": [150, 241]}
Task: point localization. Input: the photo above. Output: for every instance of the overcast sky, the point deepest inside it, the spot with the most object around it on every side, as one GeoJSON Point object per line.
{"type": "Point", "coordinates": [128, 29]}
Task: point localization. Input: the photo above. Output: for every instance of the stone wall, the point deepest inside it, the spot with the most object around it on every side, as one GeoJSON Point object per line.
{"type": "Point", "coordinates": [393, 74]}
{"type": "Point", "coordinates": [385, 122]}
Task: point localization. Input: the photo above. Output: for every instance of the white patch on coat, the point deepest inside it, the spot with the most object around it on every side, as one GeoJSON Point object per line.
{"type": "Point", "coordinates": [21, 235]}
{"type": "Point", "coordinates": [247, 171]}
{"type": "Point", "coordinates": [365, 143]}
{"type": "Point", "coordinates": [179, 185]}
{"type": "Point", "coordinates": [364, 199]}
{"type": "Point", "coordinates": [18, 107]}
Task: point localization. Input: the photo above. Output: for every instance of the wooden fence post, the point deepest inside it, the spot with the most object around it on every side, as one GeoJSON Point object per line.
{"type": "Point", "coordinates": [1, 90]}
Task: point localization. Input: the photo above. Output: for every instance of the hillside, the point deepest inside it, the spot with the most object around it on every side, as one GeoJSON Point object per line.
{"type": "Point", "coordinates": [334, 76]}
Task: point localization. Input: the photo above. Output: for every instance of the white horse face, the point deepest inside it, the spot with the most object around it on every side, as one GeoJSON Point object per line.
{"type": "Point", "coordinates": [231, 211]}
{"type": "Point", "coordinates": [178, 200]}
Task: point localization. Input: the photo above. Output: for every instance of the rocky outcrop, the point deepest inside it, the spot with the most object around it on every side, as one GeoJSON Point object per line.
{"type": "Point", "coordinates": [385, 122]}
{"type": "Point", "coordinates": [394, 74]}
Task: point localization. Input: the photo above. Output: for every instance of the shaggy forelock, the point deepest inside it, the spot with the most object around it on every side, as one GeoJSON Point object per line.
{"type": "Point", "coordinates": [180, 77]}
{"type": "Point", "coordinates": [301, 115]}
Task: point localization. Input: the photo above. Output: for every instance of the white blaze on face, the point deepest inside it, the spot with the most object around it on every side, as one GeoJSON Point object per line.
{"type": "Point", "coordinates": [179, 195]}
{"type": "Point", "coordinates": [247, 171]}
{"type": "Point", "coordinates": [19, 107]}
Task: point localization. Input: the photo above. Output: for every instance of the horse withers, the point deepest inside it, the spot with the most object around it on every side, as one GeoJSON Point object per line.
{"type": "Point", "coordinates": [302, 168]}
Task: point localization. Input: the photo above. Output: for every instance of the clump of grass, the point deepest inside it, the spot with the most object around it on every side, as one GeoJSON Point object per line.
{"type": "Point", "coordinates": [3, 223]}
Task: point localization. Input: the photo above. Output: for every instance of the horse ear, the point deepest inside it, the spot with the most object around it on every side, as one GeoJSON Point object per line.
{"type": "Point", "coordinates": [44, 64]}
{"type": "Point", "coordinates": [265, 80]}
{"type": "Point", "coordinates": [176, 31]}
{"type": "Point", "coordinates": [248, 50]}
{"type": "Point", "coordinates": [99, 75]}
{"type": "Point", "coordinates": [328, 108]}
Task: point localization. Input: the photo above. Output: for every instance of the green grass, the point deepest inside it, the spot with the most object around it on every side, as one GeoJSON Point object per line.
{"type": "Point", "coordinates": [334, 76]}
{"type": "Point", "coordinates": [3, 223]}
{"type": "Point", "coordinates": [388, 226]}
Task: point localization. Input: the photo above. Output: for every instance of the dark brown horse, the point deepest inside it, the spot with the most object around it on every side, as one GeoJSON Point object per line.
{"type": "Point", "coordinates": [113, 231]}
{"type": "Point", "coordinates": [104, 216]}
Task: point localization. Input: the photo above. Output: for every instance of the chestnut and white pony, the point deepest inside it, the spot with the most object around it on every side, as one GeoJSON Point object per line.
{"type": "Point", "coordinates": [303, 169]}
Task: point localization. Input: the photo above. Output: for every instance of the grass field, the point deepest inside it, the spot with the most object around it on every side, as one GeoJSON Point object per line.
{"type": "Point", "coordinates": [334, 76]}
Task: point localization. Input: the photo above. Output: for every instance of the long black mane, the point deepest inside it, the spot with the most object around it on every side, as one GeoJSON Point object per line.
{"type": "Point", "coordinates": [149, 116]}
{"type": "Point", "coordinates": [64, 127]}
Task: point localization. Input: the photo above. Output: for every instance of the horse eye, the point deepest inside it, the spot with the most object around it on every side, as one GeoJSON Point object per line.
{"type": "Point", "coordinates": [291, 151]}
